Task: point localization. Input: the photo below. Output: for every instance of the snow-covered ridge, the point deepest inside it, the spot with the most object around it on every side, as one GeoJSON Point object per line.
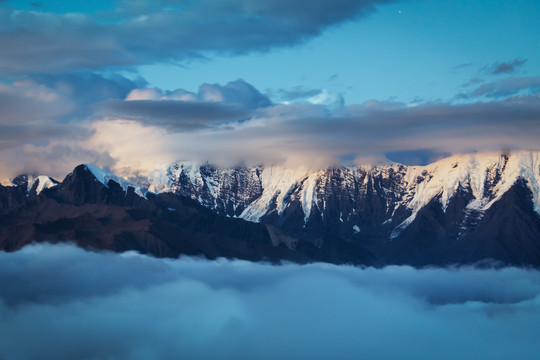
{"type": "Point", "coordinates": [42, 181]}
{"type": "Point", "coordinates": [488, 176]}
{"type": "Point", "coordinates": [103, 177]}
{"type": "Point", "coordinates": [252, 193]}
{"type": "Point", "coordinates": [7, 183]}
{"type": "Point", "coordinates": [35, 182]}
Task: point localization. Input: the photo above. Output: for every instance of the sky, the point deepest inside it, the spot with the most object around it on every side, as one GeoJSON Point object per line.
{"type": "Point", "coordinates": [59, 301]}
{"type": "Point", "coordinates": [131, 86]}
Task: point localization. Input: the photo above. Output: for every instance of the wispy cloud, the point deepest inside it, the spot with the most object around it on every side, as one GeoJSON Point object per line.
{"type": "Point", "coordinates": [507, 67]}
{"type": "Point", "coordinates": [502, 89]}
{"type": "Point", "coordinates": [135, 307]}
{"type": "Point", "coordinates": [508, 87]}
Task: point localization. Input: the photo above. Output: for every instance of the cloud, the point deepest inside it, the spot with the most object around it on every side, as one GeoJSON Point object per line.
{"type": "Point", "coordinates": [314, 135]}
{"type": "Point", "coordinates": [300, 94]}
{"type": "Point", "coordinates": [143, 32]}
{"type": "Point", "coordinates": [44, 121]}
{"type": "Point", "coordinates": [462, 66]}
{"type": "Point", "coordinates": [297, 93]}
{"type": "Point", "coordinates": [181, 110]}
{"type": "Point", "coordinates": [61, 302]}
{"type": "Point", "coordinates": [508, 67]}
{"type": "Point", "coordinates": [330, 100]}
{"type": "Point", "coordinates": [85, 89]}
{"type": "Point", "coordinates": [22, 102]}
{"type": "Point", "coordinates": [508, 87]}
{"type": "Point", "coordinates": [233, 123]}
{"type": "Point", "coordinates": [174, 115]}
{"type": "Point", "coordinates": [236, 93]}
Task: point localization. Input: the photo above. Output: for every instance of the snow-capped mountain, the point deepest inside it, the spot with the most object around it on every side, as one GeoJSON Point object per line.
{"type": "Point", "coordinates": [96, 209]}
{"type": "Point", "coordinates": [261, 192]}
{"type": "Point", "coordinates": [461, 209]}
{"type": "Point", "coordinates": [34, 183]}
{"type": "Point", "coordinates": [365, 204]}
{"type": "Point", "coordinates": [104, 177]}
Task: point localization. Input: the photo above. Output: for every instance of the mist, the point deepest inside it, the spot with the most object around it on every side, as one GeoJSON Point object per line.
{"type": "Point", "coordinates": [62, 302]}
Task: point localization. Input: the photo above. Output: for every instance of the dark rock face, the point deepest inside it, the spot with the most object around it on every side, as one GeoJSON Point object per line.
{"type": "Point", "coordinates": [11, 197]}
{"type": "Point", "coordinates": [226, 192]}
{"type": "Point", "coordinates": [453, 212]}
{"type": "Point", "coordinates": [456, 212]}
{"type": "Point", "coordinates": [83, 210]}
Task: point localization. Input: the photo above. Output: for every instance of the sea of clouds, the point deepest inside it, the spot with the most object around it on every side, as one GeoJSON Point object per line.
{"type": "Point", "coordinates": [61, 302]}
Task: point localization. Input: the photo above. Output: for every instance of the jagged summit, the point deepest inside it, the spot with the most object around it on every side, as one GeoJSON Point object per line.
{"type": "Point", "coordinates": [455, 202]}
{"type": "Point", "coordinates": [34, 184]}
{"type": "Point", "coordinates": [104, 177]}
{"type": "Point", "coordinates": [254, 193]}
{"type": "Point", "coordinates": [461, 209]}
{"type": "Point", "coordinates": [98, 210]}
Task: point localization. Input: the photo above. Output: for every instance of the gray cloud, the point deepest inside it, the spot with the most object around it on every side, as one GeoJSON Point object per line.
{"type": "Point", "coordinates": [181, 110]}
{"type": "Point", "coordinates": [174, 115]}
{"type": "Point", "coordinates": [508, 67]}
{"type": "Point", "coordinates": [462, 66]}
{"type": "Point", "coordinates": [24, 103]}
{"type": "Point", "coordinates": [380, 127]}
{"type": "Point", "coordinates": [141, 32]}
{"type": "Point", "coordinates": [231, 123]}
{"type": "Point", "coordinates": [508, 87]}
{"type": "Point", "coordinates": [43, 115]}
{"type": "Point", "coordinates": [314, 135]}
{"type": "Point", "coordinates": [62, 302]}
{"type": "Point", "coordinates": [85, 89]}
{"type": "Point", "coordinates": [237, 93]}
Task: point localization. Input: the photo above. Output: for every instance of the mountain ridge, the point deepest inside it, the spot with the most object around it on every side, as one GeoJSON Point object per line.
{"type": "Point", "coordinates": [370, 205]}
{"type": "Point", "coordinates": [91, 208]}
{"type": "Point", "coordinates": [487, 175]}
{"type": "Point", "coordinates": [461, 209]}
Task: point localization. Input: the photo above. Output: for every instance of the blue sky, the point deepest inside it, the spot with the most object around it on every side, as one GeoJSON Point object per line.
{"type": "Point", "coordinates": [290, 81]}
{"type": "Point", "coordinates": [406, 50]}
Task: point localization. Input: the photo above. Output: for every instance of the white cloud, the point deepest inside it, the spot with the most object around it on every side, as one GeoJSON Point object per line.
{"type": "Point", "coordinates": [62, 302]}
{"type": "Point", "coordinates": [145, 94]}
{"type": "Point", "coordinates": [325, 98]}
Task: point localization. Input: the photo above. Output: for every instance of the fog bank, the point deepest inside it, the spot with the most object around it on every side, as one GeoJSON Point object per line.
{"type": "Point", "coordinates": [58, 301]}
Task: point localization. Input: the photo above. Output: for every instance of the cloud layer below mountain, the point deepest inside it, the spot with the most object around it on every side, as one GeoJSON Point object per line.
{"type": "Point", "coordinates": [62, 302]}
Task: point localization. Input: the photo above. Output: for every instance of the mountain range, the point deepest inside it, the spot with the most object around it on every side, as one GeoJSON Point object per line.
{"type": "Point", "coordinates": [466, 209]}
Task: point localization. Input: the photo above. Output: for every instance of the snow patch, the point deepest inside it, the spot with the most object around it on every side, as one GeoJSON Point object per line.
{"type": "Point", "coordinates": [308, 195]}
{"type": "Point", "coordinates": [445, 177]}
{"type": "Point", "coordinates": [6, 182]}
{"type": "Point", "coordinates": [43, 182]}
{"type": "Point", "coordinates": [485, 176]}
{"type": "Point", "coordinates": [103, 177]}
{"type": "Point", "coordinates": [276, 182]}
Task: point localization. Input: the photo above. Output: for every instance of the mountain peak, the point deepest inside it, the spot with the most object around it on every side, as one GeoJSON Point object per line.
{"type": "Point", "coordinates": [104, 177]}
{"type": "Point", "coordinates": [340, 194]}
{"type": "Point", "coordinates": [34, 183]}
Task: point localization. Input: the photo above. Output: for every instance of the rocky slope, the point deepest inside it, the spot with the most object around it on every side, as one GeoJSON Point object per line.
{"type": "Point", "coordinates": [459, 209]}
{"type": "Point", "coordinates": [99, 210]}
